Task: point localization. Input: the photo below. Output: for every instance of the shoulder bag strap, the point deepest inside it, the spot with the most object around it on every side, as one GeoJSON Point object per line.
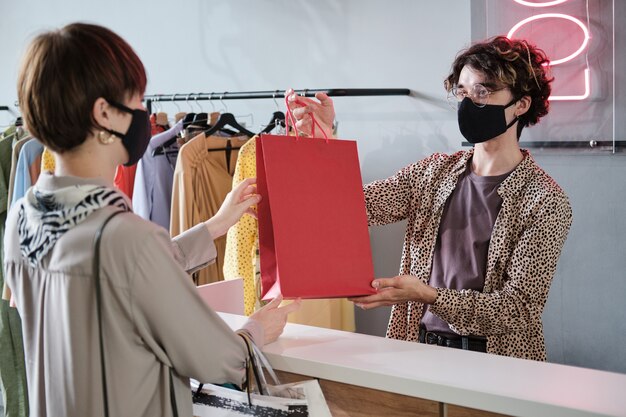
{"type": "Point", "coordinates": [96, 274]}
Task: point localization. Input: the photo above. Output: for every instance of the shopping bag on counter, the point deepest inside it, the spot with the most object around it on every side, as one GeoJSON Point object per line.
{"type": "Point", "coordinates": [258, 397]}
{"type": "Point", "coordinates": [313, 235]}
{"type": "Point", "coordinates": [302, 399]}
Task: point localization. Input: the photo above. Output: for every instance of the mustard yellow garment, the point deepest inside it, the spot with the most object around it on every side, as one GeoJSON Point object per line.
{"type": "Point", "coordinates": [47, 161]}
{"type": "Point", "coordinates": [242, 261]}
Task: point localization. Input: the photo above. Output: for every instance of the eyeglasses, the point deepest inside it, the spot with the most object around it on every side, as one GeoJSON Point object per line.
{"type": "Point", "coordinates": [479, 94]}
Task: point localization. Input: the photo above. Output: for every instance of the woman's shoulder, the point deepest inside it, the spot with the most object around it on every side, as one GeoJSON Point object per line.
{"type": "Point", "coordinates": [127, 227]}
{"type": "Point", "coordinates": [127, 240]}
{"type": "Point", "coordinates": [125, 236]}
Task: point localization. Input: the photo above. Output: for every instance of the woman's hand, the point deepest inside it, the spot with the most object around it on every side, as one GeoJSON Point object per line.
{"type": "Point", "coordinates": [273, 318]}
{"type": "Point", "coordinates": [238, 201]}
{"type": "Point", "coordinates": [303, 107]}
{"type": "Point", "coordinates": [397, 290]}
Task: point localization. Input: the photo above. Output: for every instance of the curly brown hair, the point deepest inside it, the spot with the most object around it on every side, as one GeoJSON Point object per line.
{"type": "Point", "coordinates": [512, 63]}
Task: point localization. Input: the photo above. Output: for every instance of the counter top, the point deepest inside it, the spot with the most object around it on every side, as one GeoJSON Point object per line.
{"type": "Point", "coordinates": [469, 379]}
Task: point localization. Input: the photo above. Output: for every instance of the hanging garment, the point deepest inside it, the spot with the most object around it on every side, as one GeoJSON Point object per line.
{"type": "Point", "coordinates": [5, 165]}
{"type": "Point", "coordinates": [125, 176]}
{"type": "Point", "coordinates": [242, 261]}
{"type": "Point", "coordinates": [201, 181]}
{"type": "Point", "coordinates": [125, 179]}
{"type": "Point", "coordinates": [241, 257]}
{"type": "Point", "coordinates": [18, 137]}
{"type": "Point", "coordinates": [152, 194]}
{"type": "Point", "coordinates": [12, 366]}
{"type": "Point", "coordinates": [18, 141]}
{"type": "Point", "coordinates": [28, 168]}
{"type": "Point", "coordinates": [47, 161]}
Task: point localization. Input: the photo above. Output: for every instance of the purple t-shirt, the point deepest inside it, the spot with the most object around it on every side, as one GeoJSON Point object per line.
{"type": "Point", "coordinates": [460, 256]}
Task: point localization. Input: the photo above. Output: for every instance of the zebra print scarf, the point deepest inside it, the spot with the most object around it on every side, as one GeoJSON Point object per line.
{"type": "Point", "coordinates": [44, 216]}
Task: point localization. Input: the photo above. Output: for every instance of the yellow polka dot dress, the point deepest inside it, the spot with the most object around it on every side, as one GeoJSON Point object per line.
{"type": "Point", "coordinates": [47, 161]}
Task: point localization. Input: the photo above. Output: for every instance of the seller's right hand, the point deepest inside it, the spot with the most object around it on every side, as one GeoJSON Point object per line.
{"type": "Point", "coordinates": [303, 107]}
{"type": "Point", "coordinates": [273, 318]}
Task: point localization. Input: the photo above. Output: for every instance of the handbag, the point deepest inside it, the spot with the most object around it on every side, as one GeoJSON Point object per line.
{"type": "Point", "coordinates": [313, 234]}
{"type": "Point", "coordinates": [96, 275]}
{"type": "Point", "coordinates": [303, 398]}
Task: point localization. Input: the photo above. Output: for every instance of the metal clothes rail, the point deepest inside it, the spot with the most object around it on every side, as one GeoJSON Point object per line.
{"type": "Point", "coordinates": [589, 145]}
{"type": "Point", "coordinates": [247, 95]}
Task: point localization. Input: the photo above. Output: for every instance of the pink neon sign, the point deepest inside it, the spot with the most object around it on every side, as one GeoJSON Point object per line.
{"type": "Point", "coordinates": [576, 97]}
{"type": "Point", "coordinates": [533, 4]}
{"type": "Point", "coordinates": [582, 47]}
{"type": "Point", "coordinates": [556, 16]}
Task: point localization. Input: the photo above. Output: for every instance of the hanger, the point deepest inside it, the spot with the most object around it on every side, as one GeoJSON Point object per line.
{"type": "Point", "coordinates": [201, 119]}
{"type": "Point", "coordinates": [160, 150]}
{"type": "Point", "coordinates": [278, 118]}
{"type": "Point", "coordinates": [228, 119]}
{"type": "Point", "coordinates": [188, 120]}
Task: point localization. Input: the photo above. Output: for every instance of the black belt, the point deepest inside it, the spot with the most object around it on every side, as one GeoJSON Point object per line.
{"type": "Point", "coordinates": [460, 342]}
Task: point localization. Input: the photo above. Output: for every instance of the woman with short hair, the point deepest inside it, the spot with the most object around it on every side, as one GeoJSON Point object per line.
{"type": "Point", "coordinates": [80, 89]}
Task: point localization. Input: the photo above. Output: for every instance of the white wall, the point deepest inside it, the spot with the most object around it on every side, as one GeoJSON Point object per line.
{"type": "Point", "coordinates": [240, 45]}
{"type": "Point", "coordinates": [192, 46]}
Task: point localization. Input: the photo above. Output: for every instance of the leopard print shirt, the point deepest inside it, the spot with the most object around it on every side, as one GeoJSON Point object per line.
{"type": "Point", "coordinates": [525, 245]}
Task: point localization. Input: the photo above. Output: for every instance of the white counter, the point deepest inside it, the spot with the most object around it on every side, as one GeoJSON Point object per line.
{"type": "Point", "coordinates": [469, 379]}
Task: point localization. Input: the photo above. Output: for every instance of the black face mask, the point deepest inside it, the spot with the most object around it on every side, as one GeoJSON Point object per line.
{"type": "Point", "coordinates": [137, 137]}
{"type": "Point", "coordinates": [479, 124]}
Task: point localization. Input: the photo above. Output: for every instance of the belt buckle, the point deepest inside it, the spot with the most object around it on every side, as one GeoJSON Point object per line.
{"type": "Point", "coordinates": [431, 338]}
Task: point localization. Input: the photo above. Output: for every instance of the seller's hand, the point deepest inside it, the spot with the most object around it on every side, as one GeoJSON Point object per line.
{"type": "Point", "coordinates": [397, 290]}
{"type": "Point", "coordinates": [322, 108]}
{"type": "Point", "coordinates": [273, 317]}
{"type": "Point", "coordinates": [238, 201]}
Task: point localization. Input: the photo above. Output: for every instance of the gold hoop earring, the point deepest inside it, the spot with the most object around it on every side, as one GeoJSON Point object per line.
{"type": "Point", "coordinates": [104, 139]}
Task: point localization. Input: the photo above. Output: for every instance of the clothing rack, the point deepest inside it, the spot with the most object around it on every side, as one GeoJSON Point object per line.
{"type": "Point", "coordinates": [274, 94]}
{"type": "Point", "coordinates": [600, 145]}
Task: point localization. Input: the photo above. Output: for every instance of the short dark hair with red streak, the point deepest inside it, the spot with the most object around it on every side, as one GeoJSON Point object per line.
{"type": "Point", "coordinates": [64, 72]}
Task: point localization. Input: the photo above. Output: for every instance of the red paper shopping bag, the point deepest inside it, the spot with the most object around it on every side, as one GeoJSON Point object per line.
{"type": "Point", "coordinates": [313, 236]}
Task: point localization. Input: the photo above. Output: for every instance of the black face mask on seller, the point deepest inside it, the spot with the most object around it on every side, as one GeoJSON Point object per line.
{"type": "Point", "coordinates": [137, 138]}
{"type": "Point", "coordinates": [479, 124]}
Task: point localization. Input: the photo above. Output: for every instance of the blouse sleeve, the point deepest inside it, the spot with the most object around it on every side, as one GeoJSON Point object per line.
{"type": "Point", "coordinates": [173, 320]}
{"type": "Point", "coordinates": [194, 248]}
{"type": "Point", "coordinates": [392, 199]}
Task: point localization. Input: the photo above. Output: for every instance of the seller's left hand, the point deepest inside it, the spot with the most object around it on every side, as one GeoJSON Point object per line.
{"type": "Point", "coordinates": [397, 290]}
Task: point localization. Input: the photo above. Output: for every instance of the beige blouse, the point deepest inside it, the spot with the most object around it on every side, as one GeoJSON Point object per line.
{"type": "Point", "coordinates": [153, 318]}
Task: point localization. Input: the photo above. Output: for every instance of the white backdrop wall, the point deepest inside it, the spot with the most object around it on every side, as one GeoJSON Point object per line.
{"type": "Point", "coordinates": [241, 45]}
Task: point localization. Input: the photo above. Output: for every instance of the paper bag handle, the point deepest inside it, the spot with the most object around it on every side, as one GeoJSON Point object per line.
{"type": "Point", "coordinates": [292, 119]}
